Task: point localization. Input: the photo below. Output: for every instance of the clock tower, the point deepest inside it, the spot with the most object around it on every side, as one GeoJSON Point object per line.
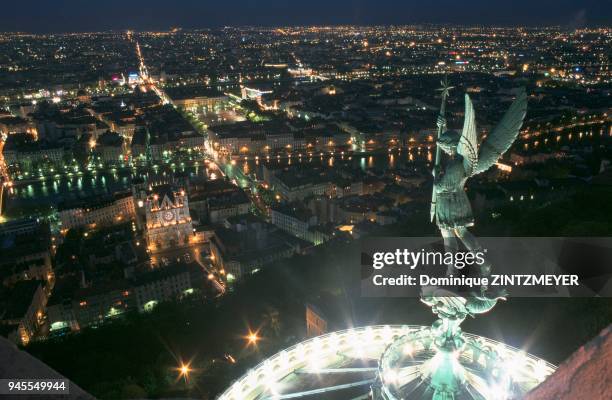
{"type": "Point", "coordinates": [168, 223]}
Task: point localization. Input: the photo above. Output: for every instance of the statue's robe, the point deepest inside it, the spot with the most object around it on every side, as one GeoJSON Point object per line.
{"type": "Point", "coordinates": [453, 209]}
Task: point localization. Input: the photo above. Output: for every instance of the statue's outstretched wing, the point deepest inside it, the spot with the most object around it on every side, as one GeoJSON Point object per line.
{"type": "Point", "coordinates": [468, 144]}
{"type": "Point", "coordinates": [503, 135]}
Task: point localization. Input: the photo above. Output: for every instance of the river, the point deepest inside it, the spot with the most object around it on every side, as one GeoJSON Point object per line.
{"type": "Point", "coordinates": [39, 196]}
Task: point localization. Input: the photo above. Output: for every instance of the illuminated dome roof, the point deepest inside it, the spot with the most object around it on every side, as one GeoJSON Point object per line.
{"type": "Point", "coordinates": [391, 360]}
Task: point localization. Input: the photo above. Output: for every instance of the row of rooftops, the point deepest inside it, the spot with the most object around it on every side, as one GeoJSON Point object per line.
{"type": "Point", "coordinates": [20, 226]}
{"type": "Point", "coordinates": [9, 120]}
{"type": "Point", "coordinates": [16, 242]}
{"type": "Point", "coordinates": [294, 176]}
{"type": "Point", "coordinates": [18, 268]}
{"type": "Point", "coordinates": [161, 137]}
{"type": "Point", "coordinates": [70, 289]}
{"type": "Point", "coordinates": [25, 143]}
{"type": "Point", "coordinates": [163, 119]}
{"type": "Point", "coordinates": [249, 129]}
{"type": "Point", "coordinates": [224, 200]}
{"type": "Point", "coordinates": [292, 210]}
{"type": "Point", "coordinates": [71, 116]}
{"type": "Point", "coordinates": [249, 238]}
{"type": "Point", "coordinates": [329, 131]}
{"type": "Point", "coordinates": [204, 187]}
{"type": "Point", "coordinates": [218, 193]}
{"type": "Point", "coordinates": [162, 125]}
{"type": "Point", "coordinates": [125, 103]}
{"type": "Point", "coordinates": [89, 203]}
{"type": "Point", "coordinates": [365, 203]}
{"type": "Point", "coordinates": [110, 139]}
{"type": "Point", "coordinates": [163, 122]}
{"type": "Point", "coordinates": [14, 303]}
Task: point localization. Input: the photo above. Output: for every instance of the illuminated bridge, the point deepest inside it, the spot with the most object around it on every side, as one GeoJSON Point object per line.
{"type": "Point", "coordinates": [387, 362]}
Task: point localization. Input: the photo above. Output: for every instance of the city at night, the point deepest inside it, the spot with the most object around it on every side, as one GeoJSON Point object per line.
{"type": "Point", "coordinates": [341, 200]}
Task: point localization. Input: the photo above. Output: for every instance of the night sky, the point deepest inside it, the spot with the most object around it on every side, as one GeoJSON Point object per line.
{"type": "Point", "coordinates": [97, 15]}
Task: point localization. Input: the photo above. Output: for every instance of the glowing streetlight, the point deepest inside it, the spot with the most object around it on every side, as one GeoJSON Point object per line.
{"type": "Point", "coordinates": [184, 371]}
{"type": "Point", "coordinates": [252, 338]}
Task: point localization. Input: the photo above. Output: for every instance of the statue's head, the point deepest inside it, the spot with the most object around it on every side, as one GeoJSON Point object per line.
{"type": "Point", "coordinates": [448, 142]}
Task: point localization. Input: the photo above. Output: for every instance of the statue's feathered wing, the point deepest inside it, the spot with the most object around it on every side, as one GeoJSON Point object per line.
{"type": "Point", "coordinates": [502, 136]}
{"type": "Point", "coordinates": [468, 144]}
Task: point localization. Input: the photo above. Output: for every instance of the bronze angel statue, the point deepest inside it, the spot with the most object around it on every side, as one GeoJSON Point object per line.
{"type": "Point", "coordinates": [464, 159]}
{"type": "Point", "coordinates": [459, 156]}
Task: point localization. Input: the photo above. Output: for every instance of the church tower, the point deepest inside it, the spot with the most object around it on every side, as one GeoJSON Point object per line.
{"type": "Point", "coordinates": [168, 223]}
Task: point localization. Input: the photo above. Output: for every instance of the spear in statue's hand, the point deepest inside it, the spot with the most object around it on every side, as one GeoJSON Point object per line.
{"type": "Point", "coordinates": [441, 126]}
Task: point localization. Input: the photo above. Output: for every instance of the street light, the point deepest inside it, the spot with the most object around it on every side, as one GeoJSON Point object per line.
{"type": "Point", "coordinates": [184, 371]}
{"type": "Point", "coordinates": [252, 338]}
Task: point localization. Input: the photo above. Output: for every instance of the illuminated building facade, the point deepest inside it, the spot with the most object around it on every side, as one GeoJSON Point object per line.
{"type": "Point", "coordinates": [98, 212]}
{"type": "Point", "coordinates": [316, 324]}
{"type": "Point", "coordinates": [168, 223]}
